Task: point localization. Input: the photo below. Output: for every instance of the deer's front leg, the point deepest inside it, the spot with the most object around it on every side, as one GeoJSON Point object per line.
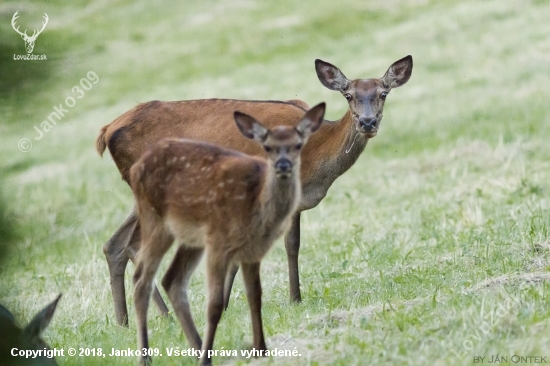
{"type": "Point", "coordinates": [251, 275]}
{"type": "Point", "coordinates": [292, 245]}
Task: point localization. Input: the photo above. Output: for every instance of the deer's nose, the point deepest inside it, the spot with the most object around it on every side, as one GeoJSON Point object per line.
{"type": "Point", "coordinates": [367, 123]}
{"type": "Point", "coordinates": [283, 165]}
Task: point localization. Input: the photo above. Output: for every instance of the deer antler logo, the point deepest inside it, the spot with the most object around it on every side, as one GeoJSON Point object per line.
{"type": "Point", "coordinates": [29, 41]}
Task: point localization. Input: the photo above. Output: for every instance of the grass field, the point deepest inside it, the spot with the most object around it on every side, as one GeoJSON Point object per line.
{"type": "Point", "coordinates": [433, 249]}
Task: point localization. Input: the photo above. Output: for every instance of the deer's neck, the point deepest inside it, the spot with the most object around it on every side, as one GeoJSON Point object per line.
{"type": "Point", "coordinates": [352, 144]}
{"type": "Point", "coordinates": [279, 197]}
{"type": "Point", "coordinates": [333, 150]}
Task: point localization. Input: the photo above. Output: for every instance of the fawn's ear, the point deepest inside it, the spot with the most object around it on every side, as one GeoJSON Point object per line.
{"type": "Point", "coordinates": [249, 127]}
{"type": "Point", "coordinates": [398, 73]}
{"type": "Point", "coordinates": [312, 120]}
{"type": "Point", "coordinates": [41, 320]}
{"type": "Point", "coordinates": [331, 76]}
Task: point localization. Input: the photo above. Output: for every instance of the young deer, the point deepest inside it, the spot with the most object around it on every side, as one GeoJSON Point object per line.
{"type": "Point", "coordinates": [231, 205]}
{"type": "Point", "coordinates": [329, 154]}
{"type": "Point", "coordinates": [13, 339]}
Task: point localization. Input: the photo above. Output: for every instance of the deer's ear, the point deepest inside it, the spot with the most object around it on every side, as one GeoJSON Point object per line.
{"type": "Point", "coordinates": [312, 120]}
{"type": "Point", "coordinates": [39, 323]}
{"type": "Point", "coordinates": [6, 315]}
{"type": "Point", "coordinates": [249, 127]}
{"type": "Point", "coordinates": [331, 76]}
{"type": "Point", "coordinates": [398, 73]}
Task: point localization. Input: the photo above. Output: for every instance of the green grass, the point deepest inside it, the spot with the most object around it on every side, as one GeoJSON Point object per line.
{"type": "Point", "coordinates": [442, 223]}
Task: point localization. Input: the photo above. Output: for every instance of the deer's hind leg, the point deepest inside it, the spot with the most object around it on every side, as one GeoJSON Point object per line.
{"type": "Point", "coordinates": [175, 282]}
{"type": "Point", "coordinates": [132, 247]}
{"type": "Point", "coordinates": [153, 247]}
{"type": "Point", "coordinates": [229, 279]}
{"type": "Point", "coordinates": [217, 263]}
{"type": "Point", "coordinates": [117, 259]}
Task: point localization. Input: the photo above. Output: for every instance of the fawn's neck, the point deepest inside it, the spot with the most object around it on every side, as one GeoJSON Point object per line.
{"type": "Point", "coordinates": [279, 196]}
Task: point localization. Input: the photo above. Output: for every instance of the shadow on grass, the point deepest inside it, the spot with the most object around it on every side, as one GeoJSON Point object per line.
{"type": "Point", "coordinates": [8, 231]}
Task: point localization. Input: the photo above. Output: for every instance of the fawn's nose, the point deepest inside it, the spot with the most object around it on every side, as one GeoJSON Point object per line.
{"type": "Point", "coordinates": [283, 165]}
{"type": "Point", "coordinates": [367, 123]}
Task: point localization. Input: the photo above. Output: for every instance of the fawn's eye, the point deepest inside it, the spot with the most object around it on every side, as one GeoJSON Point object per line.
{"type": "Point", "coordinates": [298, 147]}
{"type": "Point", "coordinates": [268, 149]}
{"type": "Point", "coordinates": [348, 96]}
{"type": "Point", "coordinates": [383, 95]}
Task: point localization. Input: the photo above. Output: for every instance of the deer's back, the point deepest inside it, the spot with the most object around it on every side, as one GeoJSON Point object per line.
{"type": "Point", "coordinates": [209, 120]}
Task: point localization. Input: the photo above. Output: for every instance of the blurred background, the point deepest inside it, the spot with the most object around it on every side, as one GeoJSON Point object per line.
{"type": "Point", "coordinates": [462, 146]}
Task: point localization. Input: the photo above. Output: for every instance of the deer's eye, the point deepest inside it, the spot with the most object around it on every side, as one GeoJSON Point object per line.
{"type": "Point", "coordinates": [348, 96]}
{"type": "Point", "coordinates": [383, 95]}
{"type": "Point", "coordinates": [298, 147]}
{"type": "Point", "coordinates": [268, 149]}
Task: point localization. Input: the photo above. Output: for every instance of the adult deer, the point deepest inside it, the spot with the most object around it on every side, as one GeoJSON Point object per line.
{"type": "Point", "coordinates": [330, 152]}
{"type": "Point", "coordinates": [29, 40]}
{"type": "Point", "coordinates": [231, 205]}
{"type": "Point", "coordinates": [14, 341]}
